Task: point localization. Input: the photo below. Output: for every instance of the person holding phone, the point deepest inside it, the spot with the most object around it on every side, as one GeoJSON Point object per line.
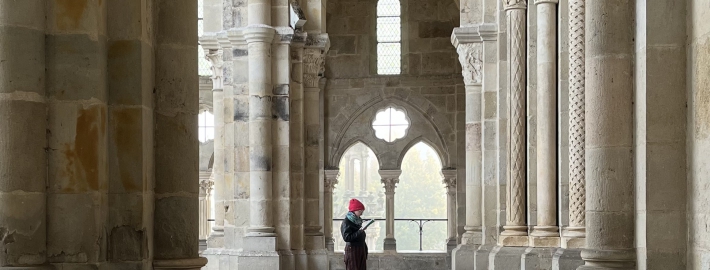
{"type": "Point", "coordinates": [354, 236]}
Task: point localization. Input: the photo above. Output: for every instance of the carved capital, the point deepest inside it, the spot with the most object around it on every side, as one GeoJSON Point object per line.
{"type": "Point", "coordinates": [515, 4]}
{"type": "Point", "coordinates": [471, 58]}
{"type": "Point", "coordinates": [313, 66]}
{"type": "Point", "coordinates": [217, 65]}
{"type": "Point", "coordinates": [206, 185]}
{"type": "Point", "coordinates": [331, 179]}
{"type": "Point", "coordinates": [390, 179]}
{"type": "Point", "coordinates": [448, 178]}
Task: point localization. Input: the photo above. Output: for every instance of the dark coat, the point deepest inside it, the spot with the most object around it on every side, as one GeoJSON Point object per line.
{"type": "Point", "coordinates": [352, 234]}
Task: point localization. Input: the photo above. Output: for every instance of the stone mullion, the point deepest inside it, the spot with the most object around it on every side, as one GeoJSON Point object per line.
{"type": "Point", "coordinates": [449, 181]}
{"type": "Point", "coordinates": [576, 227]}
{"type": "Point", "coordinates": [176, 150]}
{"type": "Point", "coordinates": [609, 142]}
{"type": "Point", "coordinates": [390, 179]}
{"type": "Point", "coordinates": [546, 230]}
{"type": "Point", "coordinates": [23, 169]}
{"type": "Point", "coordinates": [331, 179]}
{"type": "Point", "coordinates": [516, 206]}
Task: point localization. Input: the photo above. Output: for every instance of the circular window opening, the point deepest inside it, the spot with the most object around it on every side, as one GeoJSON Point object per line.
{"type": "Point", "coordinates": [390, 124]}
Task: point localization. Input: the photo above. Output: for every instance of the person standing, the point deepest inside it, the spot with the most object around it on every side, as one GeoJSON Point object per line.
{"type": "Point", "coordinates": [354, 236]}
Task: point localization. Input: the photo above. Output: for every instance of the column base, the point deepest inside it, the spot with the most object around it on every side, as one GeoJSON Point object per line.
{"type": "Point", "coordinates": [329, 244]}
{"type": "Point", "coordinates": [182, 264]}
{"type": "Point", "coordinates": [260, 253]}
{"type": "Point", "coordinates": [545, 231]}
{"type": "Point", "coordinates": [573, 243]}
{"type": "Point", "coordinates": [608, 259]}
{"type": "Point", "coordinates": [390, 245]}
{"type": "Point", "coordinates": [513, 241]}
{"type": "Point", "coordinates": [451, 244]}
{"type": "Point", "coordinates": [515, 231]}
{"type": "Point", "coordinates": [538, 241]}
{"type": "Point", "coordinates": [317, 255]}
{"type": "Point", "coordinates": [216, 238]}
{"type": "Point", "coordinates": [472, 236]}
{"type": "Point", "coordinates": [463, 257]}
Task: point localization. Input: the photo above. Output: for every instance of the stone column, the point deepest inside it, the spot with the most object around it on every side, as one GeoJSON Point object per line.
{"type": "Point", "coordinates": [515, 206]}
{"type": "Point", "coordinates": [23, 169]}
{"type": "Point", "coordinates": [609, 135]}
{"type": "Point", "coordinates": [390, 179]}
{"type": "Point", "coordinates": [472, 66]}
{"type": "Point", "coordinates": [260, 128]}
{"type": "Point", "coordinates": [576, 228]}
{"type": "Point", "coordinates": [546, 232]}
{"type": "Point", "coordinates": [313, 64]}
{"type": "Point", "coordinates": [206, 187]}
{"type": "Point", "coordinates": [449, 181]}
{"type": "Point", "coordinates": [176, 147]}
{"type": "Point", "coordinates": [216, 239]}
{"type": "Point", "coordinates": [331, 179]}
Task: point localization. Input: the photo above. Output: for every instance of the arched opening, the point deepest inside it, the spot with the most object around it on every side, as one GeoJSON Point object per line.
{"type": "Point", "coordinates": [420, 202]}
{"type": "Point", "coordinates": [359, 179]}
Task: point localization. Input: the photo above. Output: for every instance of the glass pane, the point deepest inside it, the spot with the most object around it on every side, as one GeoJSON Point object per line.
{"type": "Point", "coordinates": [382, 118]}
{"type": "Point", "coordinates": [209, 117]}
{"type": "Point", "coordinates": [398, 118]}
{"type": "Point", "coordinates": [210, 133]}
{"type": "Point", "coordinates": [388, 8]}
{"type": "Point", "coordinates": [388, 58]}
{"type": "Point", "coordinates": [383, 132]}
{"type": "Point", "coordinates": [201, 134]}
{"type": "Point", "coordinates": [389, 29]}
{"type": "Point", "coordinates": [200, 9]}
{"type": "Point", "coordinates": [398, 132]}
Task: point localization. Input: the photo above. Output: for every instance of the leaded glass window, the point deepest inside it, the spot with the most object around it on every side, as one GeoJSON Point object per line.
{"type": "Point", "coordinates": [389, 37]}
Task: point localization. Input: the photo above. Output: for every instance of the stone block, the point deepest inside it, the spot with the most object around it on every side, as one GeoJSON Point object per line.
{"type": "Point", "coordinates": [76, 67]}
{"type": "Point", "coordinates": [260, 244]}
{"type": "Point", "coordinates": [542, 242]}
{"type": "Point", "coordinates": [438, 63]}
{"type": "Point", "coordinates": [506, 258]}
{"type": "Point", "coordinates": [22, 51]}
{"type": "Point", "coordinates": [513, 241]}
{"type": "Point", "coordinates": [344, 44]}
{"type": "Point", "coordinates": [435, 29]}
{"type": "Point", "coordinates": [24, 138]}
{"type": "Point", "coordinates": [69, 213]}
{"type": "Point", "coordinates": [172, 237]}
{"type": "Point", "coordinates": [463, 257]}
{"type": "Point", "coordinates": [23, 218]}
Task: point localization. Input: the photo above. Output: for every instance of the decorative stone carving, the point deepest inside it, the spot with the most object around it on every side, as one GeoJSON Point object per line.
{"type": "Point", "coordinates": [390, 184]}
{"type": "Point", "coordinates": [516, 212]}
{"type": "Point", "coordinates": [471, 59]}
{"type": "Point", "coordinates": [331, 179]}
{"type": "Point", "coordinates": [206, 185]}
{"type": "Point", "coordinates": [511, 4]}
{"type": "Point", "coordinates": [449, 180]}
{"type": "Point", "coordinates": [217, 65]}
{"type": "Point", "coordinates": [313, 66]}
{"type": "Point", "coordinates": [576, 119]}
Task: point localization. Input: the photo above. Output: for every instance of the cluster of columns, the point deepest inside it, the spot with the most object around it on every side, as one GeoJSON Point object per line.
{"type": "Point", "coordinates": [94, 135]}
{"type": "Point", "coordinates": [600, 164]}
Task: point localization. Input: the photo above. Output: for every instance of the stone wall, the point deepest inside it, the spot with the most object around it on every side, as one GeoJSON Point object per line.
{"type": "Point", "coordinates": [698, 134]}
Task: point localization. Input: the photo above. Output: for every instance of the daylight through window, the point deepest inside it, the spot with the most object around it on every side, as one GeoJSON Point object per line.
{"type": "Point", "coordinates": [205, 123]}
{"type": "Point", "coordinates": [390, 124]}
{"type": "Point", "coordinates": [389, 37]}
{"type": "Point", "coordinates": [202, 63]}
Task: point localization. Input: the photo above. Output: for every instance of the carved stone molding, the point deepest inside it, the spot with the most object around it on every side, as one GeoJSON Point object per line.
{"type": "Point", "coordinates": [313, 66]}
{"type": "Point", "coordinates": [471, 59]}
{"type": "Point", "coordinates": [577, 180]}
{"type": "Point", "coordinates": [390, 179]}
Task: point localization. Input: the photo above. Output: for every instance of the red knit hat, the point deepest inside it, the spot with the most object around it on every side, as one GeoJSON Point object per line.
{"type": "Point", "coordinates": [355, 205]}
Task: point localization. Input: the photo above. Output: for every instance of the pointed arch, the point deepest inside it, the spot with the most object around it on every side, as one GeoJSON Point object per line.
{"type": "Point", "coordinates": [425, 141]}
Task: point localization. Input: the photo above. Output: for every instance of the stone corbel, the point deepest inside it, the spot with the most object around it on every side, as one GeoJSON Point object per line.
{"type": "Point", "coordinates": [331, 179]}
{"type": "Point", "coordinates": [471, 58]}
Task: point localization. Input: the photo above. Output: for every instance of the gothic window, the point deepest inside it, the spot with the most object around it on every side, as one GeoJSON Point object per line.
{"type": "Point", "coordinates": [205, 126]}
{"type": "Point", "coordinates": [390, 124]}
{"type": "Point", "coordinates": [359, 179]}
{"type": "Point", "coordinates": [420, 202]}
{"type": "Point", "coordinates": [389, 37]}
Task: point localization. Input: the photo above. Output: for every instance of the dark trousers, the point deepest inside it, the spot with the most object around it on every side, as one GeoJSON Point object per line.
{"type": "Point", "coordinates": [356, 257]}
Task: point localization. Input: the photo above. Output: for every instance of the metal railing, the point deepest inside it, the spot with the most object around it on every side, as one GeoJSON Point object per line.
{"type": "Point", "coordinates": [418, 221]}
